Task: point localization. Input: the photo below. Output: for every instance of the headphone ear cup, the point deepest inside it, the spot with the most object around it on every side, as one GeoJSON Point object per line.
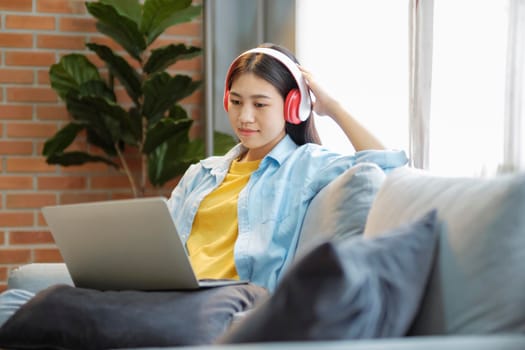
{"type": "Point", "coordinates": [226, 99]}
{"type": "Point", "coordinates": [291, 107]}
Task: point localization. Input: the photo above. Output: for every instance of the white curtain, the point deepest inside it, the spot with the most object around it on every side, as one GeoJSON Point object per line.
{"type": "Point", "coordinates": [420, 85]}
{"type": "Point", "coordinates": [515, 93]}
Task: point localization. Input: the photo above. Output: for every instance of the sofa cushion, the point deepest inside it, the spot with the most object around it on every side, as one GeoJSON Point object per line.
{"type": "Point", "coordinates": [477, 283]}
{"type": "Point", "coordinates": [355, 288]}
{"type": "Point", "coordinates": [39, 276]}
{"type": "Point", "coordinates": [341, 208]}
{"type": "Point", "coordinates": [65, 317]}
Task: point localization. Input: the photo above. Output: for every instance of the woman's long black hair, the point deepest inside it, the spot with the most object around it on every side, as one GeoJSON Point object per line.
{"type": "Point", "coordinates": [276, 73]}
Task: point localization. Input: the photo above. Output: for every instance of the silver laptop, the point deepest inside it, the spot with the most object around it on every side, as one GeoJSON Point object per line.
{"type": "Point", "coordinates": [123, 245]}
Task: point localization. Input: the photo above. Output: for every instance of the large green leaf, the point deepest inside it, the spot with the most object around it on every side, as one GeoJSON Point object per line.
{"type": "Point", "coordinates": [96, 88]}
{"type": "Point", "coordinates": [70, 72]}
{"type": "Point", "coordinates": [164, 130]}
{"type": "Point", "coordinates": [82, 111]}
{"type": "Point", "coordinates": [121, 69]}
{"type": "Point", "coordinates": [115, 118]}
{"type": "Point", "coordinates": [105, 143]}
{"type": "Point", "coordinates": [162, 91]}
{"type": "Point", "coordinates": [78, 158]}
{"type": "Point", "coordinates": [168, 160]}
{"type": "Point", "coordinates": [158, 15]}
{"type": "Point", "coordinates": [177, 112]}
{"type": "Point", "coordinates": [62, 139]}
{"type": "Point", "coordinates": [108, 120]}
{"type": "Point", "coordinates": [164, 57]}
{"type": "Point", "coordinates": [120, 28]}
{"type": "Point", "coordinates": [128, 8]}
{"type": "Point", "coordinates": [156, 166]}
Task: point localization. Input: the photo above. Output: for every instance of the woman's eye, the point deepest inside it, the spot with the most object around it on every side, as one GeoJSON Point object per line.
{"type": "Point", "coordinates": [259, 105]}
{"type": "Point", "coordinates": [235, 102]}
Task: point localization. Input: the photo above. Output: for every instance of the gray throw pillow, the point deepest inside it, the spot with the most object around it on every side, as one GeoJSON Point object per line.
{"type": "Point", "coordinates": [65, 317]}
{"type": "Point", "coordinates": [341, 208]}
{"type": "Point", "coordinates": [355, 288]}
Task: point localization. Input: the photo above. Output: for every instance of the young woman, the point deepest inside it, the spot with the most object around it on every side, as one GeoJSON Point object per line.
{"type": "Point", "coordinates": [240, 214]}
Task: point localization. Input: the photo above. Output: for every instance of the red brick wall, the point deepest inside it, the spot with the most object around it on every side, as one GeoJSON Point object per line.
{"type": "Point", "coordinates": [34, 34]}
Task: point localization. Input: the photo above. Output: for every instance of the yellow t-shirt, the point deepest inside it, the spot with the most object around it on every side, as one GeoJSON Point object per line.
{"type": "Point", "coordinates": [215, 227]}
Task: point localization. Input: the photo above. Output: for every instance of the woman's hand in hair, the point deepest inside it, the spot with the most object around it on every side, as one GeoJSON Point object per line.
{"type": "Point", "coordinates": [323, 103]}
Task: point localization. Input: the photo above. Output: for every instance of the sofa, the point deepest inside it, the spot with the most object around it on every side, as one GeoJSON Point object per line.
{"type": "Point", "coordinates": [436, 260]}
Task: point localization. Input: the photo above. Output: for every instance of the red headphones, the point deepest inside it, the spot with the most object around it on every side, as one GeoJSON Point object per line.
{"type": "Point", "coordinates": [297, 104]}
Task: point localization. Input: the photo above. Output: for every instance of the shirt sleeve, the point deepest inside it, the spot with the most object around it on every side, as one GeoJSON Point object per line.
{"type": "Point", "coordinates": [385, 159]}
{"type": "Point", "coordinates": [179, 193]}
{"type": "Point", "coordinates": [329, 165]}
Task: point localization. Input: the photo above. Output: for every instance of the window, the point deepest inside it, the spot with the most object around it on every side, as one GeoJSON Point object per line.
{"type": "Point", "coordinates": [358, 51]}
{"type": "Point", "coordinates": [468, 86]}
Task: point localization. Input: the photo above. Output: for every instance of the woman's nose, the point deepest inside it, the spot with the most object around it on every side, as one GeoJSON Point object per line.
{"type": "Point", "coordinates": [246, 114]}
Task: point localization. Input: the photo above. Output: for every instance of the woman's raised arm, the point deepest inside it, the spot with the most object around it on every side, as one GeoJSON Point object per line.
{"type": "Point", "coordinates": [326, 105]}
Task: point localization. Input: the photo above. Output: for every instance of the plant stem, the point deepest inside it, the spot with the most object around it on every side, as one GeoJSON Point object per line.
{"type": "Point", "coordinates": [127, 171]}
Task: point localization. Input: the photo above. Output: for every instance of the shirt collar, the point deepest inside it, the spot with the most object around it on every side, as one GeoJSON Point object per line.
{"type": "Point", "coordinates": [282, 150]}
{"type": "Point", "coordinates": [279, 153]}
{"type": "Point", "coordinates": [222, 163]}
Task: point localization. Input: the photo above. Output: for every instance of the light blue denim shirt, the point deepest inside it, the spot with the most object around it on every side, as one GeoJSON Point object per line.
{"type": "Point", "coordinates": [272, 206]}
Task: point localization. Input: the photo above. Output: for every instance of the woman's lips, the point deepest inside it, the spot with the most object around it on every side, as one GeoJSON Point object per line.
{"type": "Point", "coordinates": [247, 132]}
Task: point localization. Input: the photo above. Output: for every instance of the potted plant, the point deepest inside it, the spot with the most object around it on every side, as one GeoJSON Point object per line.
{"type": "Point", "coordinates": [155, 124]}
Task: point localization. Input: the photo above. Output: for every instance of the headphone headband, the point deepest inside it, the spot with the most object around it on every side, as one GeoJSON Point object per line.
{"type": "Point", "coordinates": [305, 103]}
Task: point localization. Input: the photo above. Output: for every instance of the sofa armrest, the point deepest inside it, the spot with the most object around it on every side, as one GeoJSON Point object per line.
{"type": "Point", "coordinates": [38, 276]}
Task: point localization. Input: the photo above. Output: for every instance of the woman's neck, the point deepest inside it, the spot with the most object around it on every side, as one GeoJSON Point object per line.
{"type": "Point", "coordinates": [259, 153]}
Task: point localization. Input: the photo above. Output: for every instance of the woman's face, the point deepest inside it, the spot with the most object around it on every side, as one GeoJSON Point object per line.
{"type": "Point", "coordinates": [256, 112]}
